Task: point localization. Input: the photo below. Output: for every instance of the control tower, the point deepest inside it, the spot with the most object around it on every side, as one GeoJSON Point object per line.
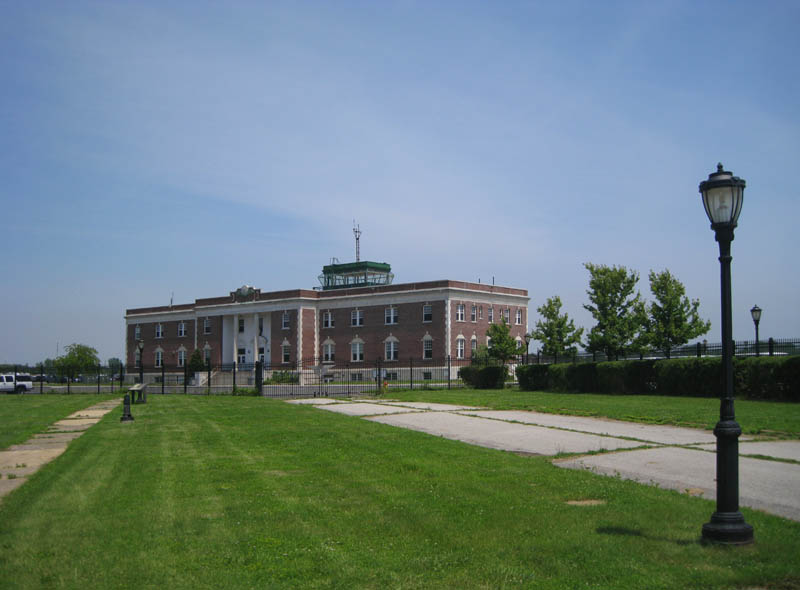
{"type": "Point", "coordinates": [361, 273]}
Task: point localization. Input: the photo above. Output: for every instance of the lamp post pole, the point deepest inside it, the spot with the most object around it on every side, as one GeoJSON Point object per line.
{"type": "Point", "coordinates": [140, 345]}
{"type": "Point", "coordinates": [722, 197]}
{"type": "Point", "coordinates": [755, 313]}
{"type": "Point", "coordinates": [527, 346]}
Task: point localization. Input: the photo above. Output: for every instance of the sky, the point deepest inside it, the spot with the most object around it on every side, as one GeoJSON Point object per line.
{"type": "Point", "coordinates": [177, 150]}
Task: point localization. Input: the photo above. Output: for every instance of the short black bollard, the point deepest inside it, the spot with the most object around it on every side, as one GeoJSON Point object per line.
{"type": "Point", "coordinates": [126, 409]}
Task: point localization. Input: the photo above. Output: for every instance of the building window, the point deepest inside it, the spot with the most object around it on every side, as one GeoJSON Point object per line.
{"type": "Point", "coordinates": [357, 317]}
{"type": "Point", "coordinates": [261, 354]}
{"type": "Point", "coordinates": [328, 352]}
{"type": "Point", "coordinates": [460, 348]}
{"type": "Point", "coordinates": [240, 356]}
{"type": "Point", "coordinates": [490, 315]}
{"type": "Point", "coordinates": [427, 313]}
{"type": "Point", "coordinates": [137, 332]}
{"type": "Point", "coordinates": [518, 318]}
{"type": "Point", "coordinates": [286, 350]}
{"type": "Point", "coordinates": [137, 358]}
{"type": "Point", "coordinates": [473, 346]}
{"type": "Point", "coordinates": [390, 315]}
{"type": "Point", "coordinates": [356, 376]}
{"type": "Point", "coordinates": [480, 312]}
{"type": "Point", "coordinates": [460, 312]}
{"type": "Point", "coordinates": [473, 314]}
{"type": "Point", "coordinates": [427, 348]}
{"type": "Point", "coordinates": [488, 342]}
{"type": "Point", "coordinates": [181, 329]}
{"type": "Point", "coordinates": [507, 315]}
{"type": "Point", "coordinates": [159, 331]}
{"type": "Point", "coordinates": [206, 326]}
{"type": "Point", "coordinates": [327, 320]}
{"type": "Point", "coordinates": [285, 321]}
{"type": "Point", "coordinates": [241, 325]}
{"type": "Point", "coordinates": [391, 347]}
{"type": "Point", "coordinates": [207, 356]}
{"type": "Point", "coordinates": [181, 358]}
{"type": "Point", "coordinates": [356, 351]}
{"type": "Point", "coordinates": [159, 358]}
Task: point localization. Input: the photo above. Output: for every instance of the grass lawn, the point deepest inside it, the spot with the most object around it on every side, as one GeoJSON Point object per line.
{"type": "Point", "coordinates": [22, 416]}
{"type": "Point", "coordinates": [239, 492]}
{"type": "Point", "coordinates": [775, 418]}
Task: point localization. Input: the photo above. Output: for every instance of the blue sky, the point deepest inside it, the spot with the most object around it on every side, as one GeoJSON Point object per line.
{"type": "Point", "coordinates": [192, 147]}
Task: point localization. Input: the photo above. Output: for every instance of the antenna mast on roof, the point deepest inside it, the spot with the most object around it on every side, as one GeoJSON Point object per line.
{"type": "Point", "coordinates": [357, 233]}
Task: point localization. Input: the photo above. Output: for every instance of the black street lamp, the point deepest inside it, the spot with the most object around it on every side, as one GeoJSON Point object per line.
{"type": "Point", "coordinates": [755, 313]}
{"type": "Point", "coordinates": [527, 346]}
{"type": "Point", "coordinates": [723, 194]}
{"type": "Point", "coordinates": [140, 346]}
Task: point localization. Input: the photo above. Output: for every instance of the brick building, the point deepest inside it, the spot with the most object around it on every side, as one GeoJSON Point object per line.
{"type": "Point", "coordinates": [357, 316]}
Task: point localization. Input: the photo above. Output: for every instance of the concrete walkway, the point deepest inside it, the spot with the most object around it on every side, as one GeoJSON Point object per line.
{"type": "Point", "coordinates": [681, 459]}
{"type": "Point", "coordinates": [19, 462]}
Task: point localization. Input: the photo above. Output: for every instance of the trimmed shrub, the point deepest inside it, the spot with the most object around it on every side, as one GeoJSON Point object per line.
{"type": "Point", "coordinates": [767, 378]}
{"type": "Point", "coordinates": [532, 377]}
{"type": "Point", "coordinates": [488, 377]}
{"type": "Point", "coordinates": [557, 377]}
{"type": "Point", "coordinates": [689, 377]}
{"type": "Point", "coordinates": [626, 377]}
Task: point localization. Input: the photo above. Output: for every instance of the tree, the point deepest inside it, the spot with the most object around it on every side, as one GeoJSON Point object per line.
{"type": "Point", "coordinates": [78, 358]}
{"type": "Point", "coordinates": [504, 347]}
{"type": "Point", "coordinates": [196, 363]}
{"type": "Point", "coordinates": [556, 332]}
{"type": "Point", "coordinates": [114, 365]}
{"type": "Point", "coordinates": [673, 319]}
{"type": "Point", "coordinates": [619, 312]}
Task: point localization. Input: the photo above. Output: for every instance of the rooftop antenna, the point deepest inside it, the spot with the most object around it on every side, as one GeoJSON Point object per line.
{"type": "Point", "coordinates": [357, 234]}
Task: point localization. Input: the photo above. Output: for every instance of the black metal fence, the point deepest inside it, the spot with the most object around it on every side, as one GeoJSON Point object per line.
{"type": "Point", "coordinates": [741, 348]}
{"type": "Point", "coordinates": [309, 378]}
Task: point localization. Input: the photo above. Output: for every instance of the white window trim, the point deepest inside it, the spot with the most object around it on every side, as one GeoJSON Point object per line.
{"type": "Point", "coordinates": [424, 321]}
{"type": "Point", "coordinates": [159, 330]}
{"type": "Point", "coordinates": [473, 313]}
{"type": "Point", "coordinates": [460, 312]}
{"type": "Point", "coordinates": [390, 316]}
{"type": "Point", "coordinates": [181, 329]}
{"type": "Point", "coordinates": [461, 347]}
{"type": "Point", "coordinates": [285, 321]}
{"type": "Point", "coordinates": [137, 332]}
{"type": "Point", "coordinates": [357, 318]}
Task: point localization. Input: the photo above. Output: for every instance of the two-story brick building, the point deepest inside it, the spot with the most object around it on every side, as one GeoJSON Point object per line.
{"type": "Point", "coordinates": [357, 316]}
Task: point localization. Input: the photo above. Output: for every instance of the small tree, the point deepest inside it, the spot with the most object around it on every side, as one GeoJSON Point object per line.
{"type": "Point", "coordinates": [196, 363]}
{"type": "Point", "coordinates": [556, 332]}
{"type": "Point", "coordinates": [114, 365]}
{"type": "Point", "coordinates": [504, 347]}
{"type": "Point", "coordinates": [617, 308]}
{"type": "Point", "coordinates": [673, 319]}
{"type": "Point", "coordinates": [78, 358]}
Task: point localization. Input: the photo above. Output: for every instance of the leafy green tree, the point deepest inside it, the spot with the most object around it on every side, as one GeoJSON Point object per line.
{"type": "Point", "coordinates": [114, 365]}
{"type": "Point", "coordinates": [555, 331]}
{"type": "Point", "coordinates": [196, 363]}
{"type": "Point", "coordinates": [617, 308]}
{"type": "Point", "coordinates": [504, 347]}
{"type": "Point", "coordinates": [481, 354]}
{"type": "Point", "coordinates": [673, 319]}
{"type": "Point", "coordinates": [78, 358]}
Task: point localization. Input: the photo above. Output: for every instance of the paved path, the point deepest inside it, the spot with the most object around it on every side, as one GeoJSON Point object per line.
{"type": "Point", "coordinates": [681, 459]}
{"type": "Point", "coordinates": [18, 462]}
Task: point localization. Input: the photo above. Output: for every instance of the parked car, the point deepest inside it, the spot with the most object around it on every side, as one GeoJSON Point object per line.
{"type": "Point", "coordinates": [20, 384]}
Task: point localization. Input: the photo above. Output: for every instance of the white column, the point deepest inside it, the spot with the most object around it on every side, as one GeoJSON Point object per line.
{"type": "Point", "coordinates": [235, 336]}
{"type": "Point", "coordinates": [255, 338]}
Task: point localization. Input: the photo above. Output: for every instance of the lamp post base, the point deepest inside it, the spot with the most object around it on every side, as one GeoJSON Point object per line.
{"type": "Point", "coordinates": [727, 528]}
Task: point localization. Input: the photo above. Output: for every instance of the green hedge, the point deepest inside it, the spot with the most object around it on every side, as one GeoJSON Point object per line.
{"type": "Point", "coordinates": [757, 378]}
{"type": "Point", "coordinates": [489, 377]}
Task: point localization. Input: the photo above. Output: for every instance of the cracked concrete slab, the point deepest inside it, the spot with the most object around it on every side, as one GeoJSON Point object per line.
{"type": "Point", "coordinates": [781, 449]}
{"type": "Point", "coordinates": [428, 406]}
{"type": "Point", "coordinates": [316, 401]}
{"type": "Point", "coordinates": [365, 409]}
{"type": "Point", "coordinates": [763, 484]}
{"type": "Point", "coordinates": [506, 436]}
{"type": "Point", "coordinates": [668, 435]}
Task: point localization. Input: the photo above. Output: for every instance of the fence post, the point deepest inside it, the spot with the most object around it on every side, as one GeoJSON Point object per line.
{"type": "Point", "coordinates": [259, 378]}
{"type": "Point", "coordinates": [234, 378]}
{"type": "Point", "coordinates": [448, 371]}
{"type": "Point", "coordinates": [208, 381]}
{"type": "Point", "coordinates": [771, 345]}
{"type": "Point", "coordinates": [98, 379]}
{"type": "Point", "coordinates": [69, 378]}
{"type": "Point", "coordinates": [185, 377]}
{"type": "Point", "coordinates": [162, 377]}
{"type": "Point", "coordinates": [378, 376]}
{"type": "Point", "coordinates": [699, 350]}
{"type": "Point", "coordinates": [41, 378]}
{"type": "Point", "coordinates": [411, 371]}
{"type": "Point", "coordinates": [121, 376]}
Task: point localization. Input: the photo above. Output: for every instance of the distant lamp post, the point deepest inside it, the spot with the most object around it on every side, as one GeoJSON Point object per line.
{"type": "Point", "coordinates": [755, 313]}
{"type": "Point", "coordinates": [527, 346]}
{"type": "Point", "coordinates": [723, 194]}
{"type": "Point", "coordinates": [140, 346]}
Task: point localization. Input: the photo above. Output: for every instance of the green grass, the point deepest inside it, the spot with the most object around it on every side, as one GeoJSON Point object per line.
{"type": "Point", "coordinates": [22, 416]}
{"type": "Point", "coordinates": [776, 418]}
{"type": "Point", "coordinates": [239, 492]}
